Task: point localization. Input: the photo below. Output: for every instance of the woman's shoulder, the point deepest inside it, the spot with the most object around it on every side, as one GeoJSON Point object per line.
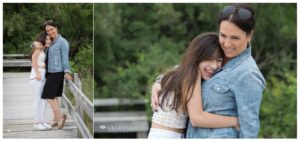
{"type": "Point", "coordinates": [64, 41]}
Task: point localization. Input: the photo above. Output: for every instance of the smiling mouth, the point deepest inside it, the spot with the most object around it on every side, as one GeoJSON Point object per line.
{"type": "Point", "coordinates": [209, 72]}
{"type": "Point", "coordinates": [228, 50]}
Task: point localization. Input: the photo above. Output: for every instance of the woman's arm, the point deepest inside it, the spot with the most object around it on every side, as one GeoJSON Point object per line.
{"type": "Point", "coordinates": [34, 59]}
{"type": "Point", "coordinates": [65, 60]}
{"type": "Point", "coordinates": [199, 118]}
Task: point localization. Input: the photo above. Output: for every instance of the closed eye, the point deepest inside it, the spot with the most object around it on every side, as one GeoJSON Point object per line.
{"type": "Point", "coordinates": [235, 38]}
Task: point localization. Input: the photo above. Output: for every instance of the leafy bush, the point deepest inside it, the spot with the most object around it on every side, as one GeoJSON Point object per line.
{"type": "Point", "coordinates": [279, 107]}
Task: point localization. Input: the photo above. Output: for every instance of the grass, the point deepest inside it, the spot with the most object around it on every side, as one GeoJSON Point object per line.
{"type": "Point", "coordinates": [88, 86]}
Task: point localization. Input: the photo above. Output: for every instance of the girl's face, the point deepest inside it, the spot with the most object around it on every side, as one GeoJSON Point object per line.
{"type": "Point", "coordinates": [233, 40]}
{"type": "Point", "coordinates": [48, 41]}
{"type": "Point", "coordinates": [208, 67]}
{"type": "Point", "coordinates": [51, 31]}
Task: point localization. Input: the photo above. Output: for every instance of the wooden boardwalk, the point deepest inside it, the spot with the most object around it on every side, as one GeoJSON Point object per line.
{"type": "Point", "coordinates": [18, 111]}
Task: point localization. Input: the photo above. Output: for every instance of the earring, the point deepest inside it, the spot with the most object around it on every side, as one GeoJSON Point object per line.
{"type": "Point", "coordinates": [248, 44]}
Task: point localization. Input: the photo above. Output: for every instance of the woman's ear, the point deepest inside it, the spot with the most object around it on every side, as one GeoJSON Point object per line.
{"type": "Point", "coordinates": [249, 36]}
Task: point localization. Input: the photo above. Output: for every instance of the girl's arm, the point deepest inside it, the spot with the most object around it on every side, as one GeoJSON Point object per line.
{"type": "Point", "coordinates": [200, 118]}
{"type": "Point", "coordinates": [34, 59]}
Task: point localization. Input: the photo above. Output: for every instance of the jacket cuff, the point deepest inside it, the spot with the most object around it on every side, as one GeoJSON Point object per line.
{"type": "Point", "coordinates": [68, 71]}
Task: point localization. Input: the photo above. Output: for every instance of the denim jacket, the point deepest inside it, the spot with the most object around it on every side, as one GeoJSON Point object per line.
{"type": "Point", "coordinates": [236, 90]}
{"type": "Point", "coordinates": [58, 56]}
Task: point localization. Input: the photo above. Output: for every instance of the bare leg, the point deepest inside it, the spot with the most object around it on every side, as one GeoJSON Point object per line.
{"type": "Point", "coordinates": [55, 108]}
{"type": "Point", "coordinates": [54, 118]}
{"type": "Point", "coordinates": [57, 100]}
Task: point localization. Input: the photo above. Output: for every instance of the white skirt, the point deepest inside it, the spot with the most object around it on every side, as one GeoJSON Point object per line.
{"type": "Point", "coordinates": [156, 133]}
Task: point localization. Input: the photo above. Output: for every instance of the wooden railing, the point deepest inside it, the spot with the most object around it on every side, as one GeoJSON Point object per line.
{"type": "Point", "coordinates": [120, 121]}
{"type": "Point", "coordinates": [83, 106]}
{"type": "Point", "coordinates": [16, 60]}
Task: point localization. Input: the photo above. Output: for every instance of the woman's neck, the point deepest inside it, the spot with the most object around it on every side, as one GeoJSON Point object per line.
{"type": "Point", "coordinates": [226, 59]}
{"type": "Point", "coordinates": [55, 37]}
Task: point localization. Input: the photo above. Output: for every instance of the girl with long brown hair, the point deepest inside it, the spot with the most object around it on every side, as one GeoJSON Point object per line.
{"type": "Point", "coordinates": [180, 88]}
{"type": "Point", "coordinates": [37, 79]}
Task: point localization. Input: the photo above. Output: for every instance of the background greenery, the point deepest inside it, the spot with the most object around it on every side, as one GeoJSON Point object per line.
{"type": "Point", "coordinates": [134, 43]}
{"type": "Point", "coordinates": [22, 22]}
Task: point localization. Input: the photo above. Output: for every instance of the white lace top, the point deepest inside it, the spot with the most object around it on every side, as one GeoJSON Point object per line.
{"type": "Point", "coordinates": [41, 59]}
{"type": "Point", "coordinates": [169, 118]}
{"type": "Point", "coordinates": [41, 64]}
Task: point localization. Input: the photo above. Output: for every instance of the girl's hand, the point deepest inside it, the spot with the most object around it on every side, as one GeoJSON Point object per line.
{"type": "Point", "coordinates": [237, 127]}
{"type": "Point", "coordinates": [38, 77]}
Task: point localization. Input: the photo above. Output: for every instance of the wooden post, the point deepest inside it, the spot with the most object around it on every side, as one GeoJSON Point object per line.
{"type": "Point", "coordinates": [77, 81]}
{"type": "Point", "coordinates": [61, 99]}
{"type": "Point", "coordinates": [78, 107]}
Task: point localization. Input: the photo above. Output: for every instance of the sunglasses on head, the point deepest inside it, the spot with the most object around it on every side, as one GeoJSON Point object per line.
{"type": "Point", "coordinates": [244, 14]}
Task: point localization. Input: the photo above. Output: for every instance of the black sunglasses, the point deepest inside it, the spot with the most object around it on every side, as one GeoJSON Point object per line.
{"type": "Point", "coordinates": [244, 14]}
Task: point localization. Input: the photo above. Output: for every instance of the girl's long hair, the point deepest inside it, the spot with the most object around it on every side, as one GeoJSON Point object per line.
{"type": "Point", "coordinates": [40, 38]}
{"type": "Point", "coordinates": [182, 80]}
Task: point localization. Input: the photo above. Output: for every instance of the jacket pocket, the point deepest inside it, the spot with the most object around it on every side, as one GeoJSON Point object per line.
{"type": "Point", "coordinates": [220, 95]}
{"type": "Point", "coordinates": [220, 87]}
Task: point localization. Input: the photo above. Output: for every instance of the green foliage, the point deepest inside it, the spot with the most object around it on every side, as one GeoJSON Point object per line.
{"type": "Point", "coordinates": [83, 62]}
{"type": "Point", "coordinates": [278, 108]}
{"type": "Point", "coordinates": [22, 22]}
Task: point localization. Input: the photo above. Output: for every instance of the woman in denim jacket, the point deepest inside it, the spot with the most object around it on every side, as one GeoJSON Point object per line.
{"type": "Point", "coordinates": [236, 89]}
{"type": "Point", "coordinates": [58, 67]}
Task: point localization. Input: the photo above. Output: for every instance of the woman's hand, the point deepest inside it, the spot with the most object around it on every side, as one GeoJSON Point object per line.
{"type": "Point", "coordinates": [154, 96]}
{"type": "Point", "coordinates": [38, 77]}
{"type": "Point", "coordinates": [68, 76]}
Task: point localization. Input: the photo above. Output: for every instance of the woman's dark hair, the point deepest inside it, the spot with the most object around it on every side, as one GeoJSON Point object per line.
{"type": "Point", "coordinates": [246, 25]}
{"type": "Point", "coordinates": [182, 80]}
{"type": "Point", "coordinates": [40, 38]}
{"type": "Point", "coordinates": [49, 22]}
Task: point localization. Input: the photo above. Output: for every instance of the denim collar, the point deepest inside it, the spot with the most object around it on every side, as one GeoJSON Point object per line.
{"type": "Point", "coordinates": [236, 61]}
{"type": "Point", "coordinates": [57, 39]}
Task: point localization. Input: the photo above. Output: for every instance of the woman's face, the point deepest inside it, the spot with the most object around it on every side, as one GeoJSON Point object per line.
{"type": "Point", "coordinates": [233, 40]}
{"type": "Point", "coordinates": [208, 67]}
{"type": "Point", "coordinates": [51, 31]}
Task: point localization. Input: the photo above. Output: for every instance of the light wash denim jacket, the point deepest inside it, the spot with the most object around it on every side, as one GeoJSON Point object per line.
{"type": "Point", "coordinates": [236, 90]}
{"type": "Point", "coordinates": [58, 56]}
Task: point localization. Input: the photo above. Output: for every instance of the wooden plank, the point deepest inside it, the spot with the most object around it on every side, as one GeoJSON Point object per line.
{"type": "Point", "coordinates": [120, 116]}
{"type": "Point", "coordinates": [15, 55]}
{"type": "Point", "coordinates": [16, 63]}
{"type": "Point", "coordinates": [85, 103]}
{"type": "Point", "coordinates": [41, 134]}
{"type": "Point", "coordinates": [117, 101]}
{"type": "Point", "coordinates": [76, 117]}
{"type": "Point", "coordinates": [18, 100]}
